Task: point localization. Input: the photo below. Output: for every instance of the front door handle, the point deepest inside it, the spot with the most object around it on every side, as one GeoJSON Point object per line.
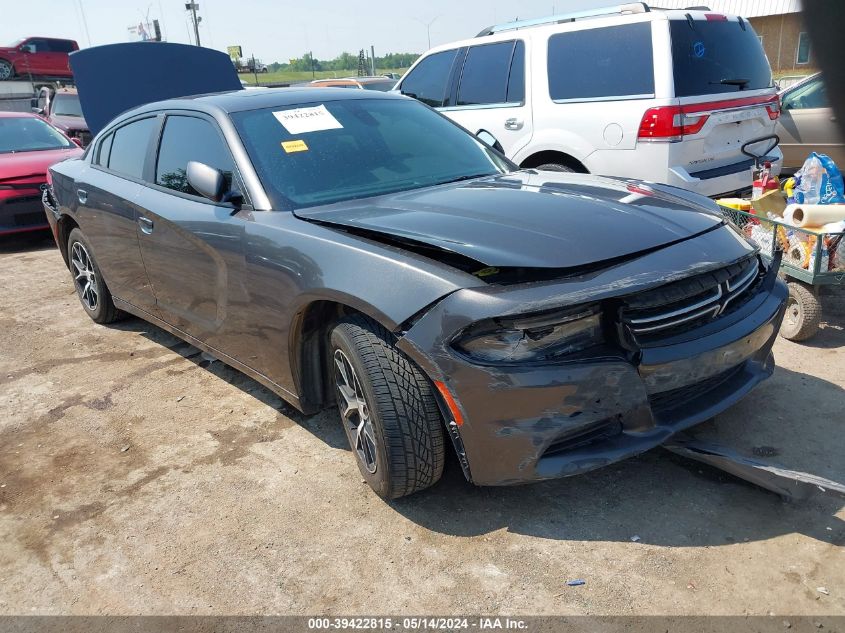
{"type": "Point", "coordinates": [513, 124]}
{"type": "Point", "coordinates": [146, 225]}
{"type": "Point", "coordinates": [82, 195]}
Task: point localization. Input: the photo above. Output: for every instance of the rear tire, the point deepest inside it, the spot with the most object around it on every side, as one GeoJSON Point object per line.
{"type": "Point", "coordinates": [803, 313]}
{"type": "Point", "coordinates": [555, 167]}
{"type": "Point", "coordinates": [388, 410]}
{"type": "Point", "coordinates": [90, 286]}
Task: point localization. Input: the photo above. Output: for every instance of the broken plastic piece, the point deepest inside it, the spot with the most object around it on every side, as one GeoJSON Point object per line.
{"type": "Point", "coordinates": [790, 484]}
{"type": "Point", "coordinates": [576, 583]}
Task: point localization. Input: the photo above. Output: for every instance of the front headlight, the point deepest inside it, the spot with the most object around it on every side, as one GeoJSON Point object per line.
{"type": "Point", "coordinates": [537, 338]}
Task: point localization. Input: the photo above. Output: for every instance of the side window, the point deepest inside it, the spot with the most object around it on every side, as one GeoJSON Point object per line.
{"type": "Point", "coordinates": [104, 151]}
{"type": "Point", "coordinates": [803, 54]}
{"type": "Point", "coordinates": [185, 139]}
{"type": "Point", "coordinates": [428, 81]}
{"type": "Point", "coordinates": [129, 147]}
{"type": "Point", "coordinates": [61, 46]}
{"type": "Point", "coordinates": [38, 45]}
{"type": "Point", "coordinates": [484, 79]}
{"type": "Point", "coordinates": [613, 61]}
{"type": "Point", "coordinates": [813, 95]}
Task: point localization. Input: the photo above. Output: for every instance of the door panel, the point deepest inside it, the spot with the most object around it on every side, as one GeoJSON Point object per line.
{"type": "Point", "coordinates": [107, 217]}
{"type": "Point", "coordinates": [808, 130]}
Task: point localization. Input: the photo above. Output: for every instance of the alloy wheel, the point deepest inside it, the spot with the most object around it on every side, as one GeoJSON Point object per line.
{"type": "Point", "coordinates": [84, 276]}
{"type": "Point", "coordinates": [355, 411]}
{"type": "Point", "coordinates": [5, 70]}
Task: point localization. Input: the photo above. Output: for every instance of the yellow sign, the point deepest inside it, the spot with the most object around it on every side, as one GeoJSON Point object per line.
{"type": "Point", "coordinates": [294, 146]}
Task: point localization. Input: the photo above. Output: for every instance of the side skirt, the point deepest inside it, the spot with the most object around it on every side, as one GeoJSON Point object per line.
{"type": "Point", "coordinates": [245, 369]}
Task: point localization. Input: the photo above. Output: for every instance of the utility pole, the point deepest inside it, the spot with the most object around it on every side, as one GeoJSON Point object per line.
{"type": "Point", "coordinates": [193, 7]}
{"type": "Point", "coordinates": [373, 60]}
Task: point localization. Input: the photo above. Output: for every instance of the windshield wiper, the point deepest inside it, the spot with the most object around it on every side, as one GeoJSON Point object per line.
{"type": "Point", "coordinates": [733, 82]}
{"type": "Point", "coordinates": [470, 177]}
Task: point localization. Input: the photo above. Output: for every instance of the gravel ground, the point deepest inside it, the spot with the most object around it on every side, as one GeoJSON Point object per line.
{"type": "Point", "coordinates": [137, 478]}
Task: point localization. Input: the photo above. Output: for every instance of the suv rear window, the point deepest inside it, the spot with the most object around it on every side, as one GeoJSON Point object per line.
{"type": "Point", "coordinates": [717, 56]}
{"type": "Point", "coordinates": [613, 61]}
{"type": "Point", "coordinates": [489, 72]}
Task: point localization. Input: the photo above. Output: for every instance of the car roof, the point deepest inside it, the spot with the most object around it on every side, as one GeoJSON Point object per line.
{"type": "Point", "coordinates": [16, 115]}
{"type": "Point", "coordinates": [242, 100]}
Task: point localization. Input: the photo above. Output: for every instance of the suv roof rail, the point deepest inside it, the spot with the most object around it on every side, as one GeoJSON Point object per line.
{"type": "Point", "coordinates": [631, 7]}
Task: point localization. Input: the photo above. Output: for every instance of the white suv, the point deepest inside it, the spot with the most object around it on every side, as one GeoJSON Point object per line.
{"type": "Point", "coordinates": [666, 96]}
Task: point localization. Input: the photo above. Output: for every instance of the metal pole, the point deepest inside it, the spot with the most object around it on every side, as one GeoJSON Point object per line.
{"type": "Point", "coordinates": [311, 55]}
{"type": "Point", "coordinates": [254, 70]}
{"type": "Point", "coordinates": [373, 59]}
{"type": "Point", "coordinates": [196, 24]}
{"type": "Point", "coordinates": [85, 23]}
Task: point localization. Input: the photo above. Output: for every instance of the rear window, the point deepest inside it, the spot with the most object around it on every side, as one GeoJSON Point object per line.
{"type": "Point", "coordinates": [614, 61]}
{"type": "Point", "coordinates": [717, 56]}
{"type": "Point", "coordinates": [487, 75]}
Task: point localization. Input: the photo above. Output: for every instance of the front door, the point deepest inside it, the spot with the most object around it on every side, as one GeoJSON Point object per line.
{"type": "Point", "coordinates": [192, 247]}
{"type": "Point", "coordinates": [807, 124]}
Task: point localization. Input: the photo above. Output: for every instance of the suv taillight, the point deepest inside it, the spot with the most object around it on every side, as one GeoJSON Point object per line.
{"type": "Point", "coordinates": [670, 123]}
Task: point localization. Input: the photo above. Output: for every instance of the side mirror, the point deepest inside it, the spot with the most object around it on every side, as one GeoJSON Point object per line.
{"type": "Point", "coordinates": [489, 140]}
{"type": "Point", "coordinates": [206, 180]}
{"type": "Point", "coordinates": [38, 110]}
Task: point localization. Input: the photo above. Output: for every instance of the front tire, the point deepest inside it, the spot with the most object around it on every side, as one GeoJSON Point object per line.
{"type": "Point", "coordinates": [388, 410]}
{"type": "Point", "coordinates": [555, 167]}
{"type": "Point", "coordinates": [90, 286]}
{"type": "Point", "coordinates": [6, 70]}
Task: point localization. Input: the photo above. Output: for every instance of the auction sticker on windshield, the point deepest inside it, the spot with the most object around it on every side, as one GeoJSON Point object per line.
{"type": "Point", "coordinates": [300, 120]}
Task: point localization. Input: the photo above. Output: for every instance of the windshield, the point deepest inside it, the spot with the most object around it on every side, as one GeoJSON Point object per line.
{"type": "Point", "coordinates": [29, 134]}
{"type": "Point", "coordinates": [717, 56]}
{"type": "Point", "coordinates": [320, 153]}
{"type": "Point", "coordinates": [66, 105]}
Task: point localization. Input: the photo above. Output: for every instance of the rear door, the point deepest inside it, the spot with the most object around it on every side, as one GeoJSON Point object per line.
{"type": "Point", "coordinates": [58, 62]}
{"type": "Point", "coordinates": [724, 86]}
{"type": "Point", "coordinates": [108, 192]}
{"type": "Point", "coordinates": [192, 247]}
{"type": "Point", "coordinates": [807, 124]}
{"type": "Point", "coordinates": [491, 94]}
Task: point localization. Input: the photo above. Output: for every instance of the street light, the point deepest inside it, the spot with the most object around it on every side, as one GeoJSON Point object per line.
{"type": "Point", "coordinates": [427, 26]}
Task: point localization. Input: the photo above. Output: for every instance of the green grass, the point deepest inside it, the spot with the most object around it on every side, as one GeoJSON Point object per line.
{"type": "Point", "coordinates": [284, 76]}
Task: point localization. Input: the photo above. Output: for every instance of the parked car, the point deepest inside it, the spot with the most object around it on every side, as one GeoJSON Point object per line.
{"type": "Point", "coordinates": [356, 248]}
{"type": "Point", "coordinates": [62, 109]}
{"type": "Point", "coordinates": [28, 146]}
{"type": "Point", "coordinates": [383, 84]}
{"type": "Point", "coordinates": [665, 96]}
{"type": "Point", "coordinates": [37, 56]}
{"type": "Point", "coordinates": [807, 124]}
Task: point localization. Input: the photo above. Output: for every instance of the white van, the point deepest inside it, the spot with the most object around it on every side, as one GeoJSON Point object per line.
{"type": "Point", "coordinates": [668, 96]}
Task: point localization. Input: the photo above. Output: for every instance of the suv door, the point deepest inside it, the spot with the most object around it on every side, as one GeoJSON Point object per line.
{"type": "Point", "coordinates": [192, 247]}
{"type": "Point", "coordinates": [108, 193]}
{"type": "Point", "coordinates": [807, 124]}
{"type": "Point", "coordinates": [492, 96]}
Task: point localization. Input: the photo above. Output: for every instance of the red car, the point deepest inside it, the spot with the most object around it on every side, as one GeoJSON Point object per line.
{"type": "Point", "coordinates": [38, 56]}
{"type": "Point", "coordinates": [28, 146]}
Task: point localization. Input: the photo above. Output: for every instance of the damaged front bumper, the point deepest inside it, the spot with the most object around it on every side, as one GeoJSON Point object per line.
{"type": "Point", "coordinates": [538, 421]}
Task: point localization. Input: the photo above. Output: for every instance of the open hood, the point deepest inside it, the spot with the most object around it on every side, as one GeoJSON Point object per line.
{"type": "Point", "coordinates": [114, 78]}
{"type": "Point", "coordinates": [529, 219]}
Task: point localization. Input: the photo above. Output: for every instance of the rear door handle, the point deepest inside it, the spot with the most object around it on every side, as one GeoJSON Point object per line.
{"type": "Point", "coordinates": [513, 124]}
{"type": "Point", "coordinates": [82, 195]}
{"type": "Point", "coordinates": [146, 225]}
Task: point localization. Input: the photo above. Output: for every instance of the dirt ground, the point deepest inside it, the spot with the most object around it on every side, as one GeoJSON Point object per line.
{"type": "Point", "coordinates": [137, 478]}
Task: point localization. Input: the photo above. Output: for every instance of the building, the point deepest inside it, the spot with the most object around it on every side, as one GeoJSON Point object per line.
{"type": "Point", "coordinates": [778, 24]}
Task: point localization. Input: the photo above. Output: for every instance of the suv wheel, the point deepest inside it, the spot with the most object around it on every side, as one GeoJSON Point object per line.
{"type": "Point", "coordinates": [89, 283]}
{"type": "Point", "coordinates": [388, 410]}
{"type": "Point", "coordinates": [6, 70]}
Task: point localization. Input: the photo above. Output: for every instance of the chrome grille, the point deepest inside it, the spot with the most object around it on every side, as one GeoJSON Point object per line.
{"type": "Point", "coordinates": [686, 304]}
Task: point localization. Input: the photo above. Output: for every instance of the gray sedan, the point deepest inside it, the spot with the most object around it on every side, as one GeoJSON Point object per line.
{"type": "Point", "coordinates": [357, 249]}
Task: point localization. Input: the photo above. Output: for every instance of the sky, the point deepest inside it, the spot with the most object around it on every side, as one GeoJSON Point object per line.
{"type": "Point", "coordinates": [276, 30]}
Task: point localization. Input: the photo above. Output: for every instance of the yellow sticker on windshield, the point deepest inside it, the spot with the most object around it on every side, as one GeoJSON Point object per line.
{"type": "Point", "coordinates": [294, 146]}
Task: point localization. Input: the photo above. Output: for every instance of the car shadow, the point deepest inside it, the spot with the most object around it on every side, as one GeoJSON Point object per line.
{"type": "Point", "coordinates": [29, 241]}
{"type": "Point", "coordinates": [657, 498]}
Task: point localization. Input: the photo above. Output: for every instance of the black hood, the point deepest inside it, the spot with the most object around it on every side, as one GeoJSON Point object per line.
{"type": "Point", "coordinates": [531, 219]}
